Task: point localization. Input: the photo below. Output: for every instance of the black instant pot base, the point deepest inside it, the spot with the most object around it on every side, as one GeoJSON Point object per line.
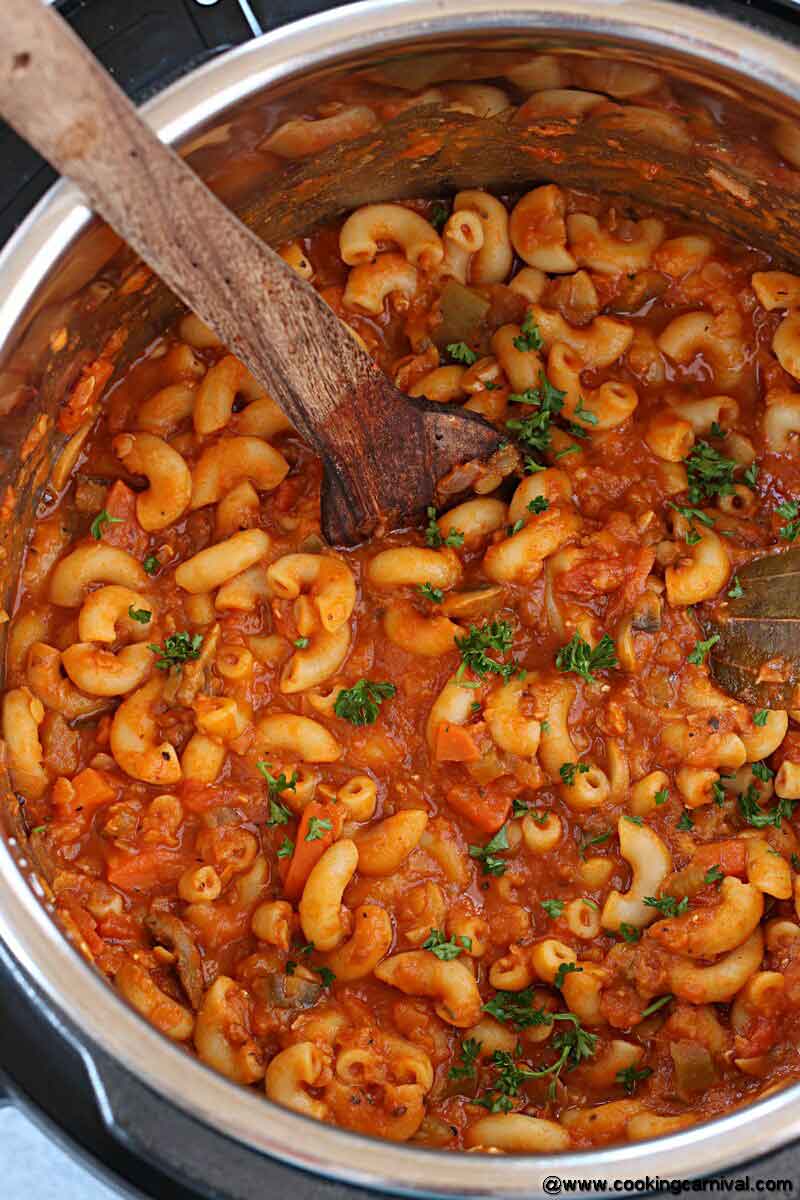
{"type": "Point", "coordinates": [143, 1146]}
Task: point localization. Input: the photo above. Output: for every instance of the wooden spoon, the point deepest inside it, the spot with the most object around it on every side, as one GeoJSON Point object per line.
{"type": "Point", "coordinates": [382, 451]}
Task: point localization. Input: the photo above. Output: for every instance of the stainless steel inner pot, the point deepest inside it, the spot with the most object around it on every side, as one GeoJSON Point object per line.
{"type": "Point", "coordinates": [58, 274]}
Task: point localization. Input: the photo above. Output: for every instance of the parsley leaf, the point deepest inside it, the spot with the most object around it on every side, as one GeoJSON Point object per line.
{"type": "Point", "coordinates": [538, 504]}
{"type": "Point", "coordinates": [736, 590]}
{"type": "Point", "coordinates": [361, 703]}
{"type": "Point", "coordinates": [686, 821]}
{"type": "Point", "coordinates": [668, 906]}
{"type": "Point", "coordinates": [317, 828]}
{"type": "Point", "coordinates": [578, 656]}
{"type": "Point", "coordinates": [629, 932]}
{"type": "Point", "coordinates": [791, 530]}
{"type": "Point", "coordinates": [709, 472]}
{"type": "Point", "coordinates": [278, 813]}
{"type": "Point", "coordinates": [761, 717]}
{"type": "Point", "coordinates": [565, 969]}
{"type": "Point", "coordinates": [762, 771]}
{"type": "Point", "coordinates": [444, 948]}
{"type": "Point", "coordinates": [661, 796]}
{"type": "Point", "coordinates": [517, 1009]}
{"type": "Point", "coordinates": [178, 648]}
{"type": "Point", "coordinates": [553, 908]}
{"type": "Point", "coordinates": [438, 216]}
{"type": "Point", "coordinates": [470, 1049]}
{"type": "Point", "coordinates": [286, 848]}
{"type": "Point", "coordinates": [701, 649]}
{"type": "Point", "coordinates": [434, 594]}
{"type": "Point", "coordinates": [487, 855]}
{"type": "Point", "coordinates": [139, 614]}
{"type": "Point", "coordinates": [750, 475]}
{"type": "Point", "coordinates": [713, 875]}
{"type": "Point", "coordinates": [433, 534]}
{"type": "Point", "coordinates": [98, 525]}
{"type": "Point", "coordinates": [500, 1096]}
{"type": "Point", "coordinates": [598, 840]}
{"type": "Point", "coordinates": [628, 1077]}
{"type": "Point", "coordinates": [657, 1004]}
{"type": "Point", "coordinates": [568, 770]}
{"type": "Point", "coordinates": [301, 642]}
{"type": "Point", "coordinates": [151, 564]}
{"type": "Point", "coordinates": [529, 337]}
{"type": "Point", "coordinates": [534, 430]}
{"type": "Point", "coordinates": [585, 414]}
{"type": "Point", "coordinates": [326, 975]}
{"type": "Point", "coordinates": [460, 352]}
{"type": "Point", "coordinates": [754, 815]}
{"type": "Point", "coordinates": [492, 635]}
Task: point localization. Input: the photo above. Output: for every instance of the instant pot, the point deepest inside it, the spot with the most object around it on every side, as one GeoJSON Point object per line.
{"type": "Point", "coordinates": [138, 1107]}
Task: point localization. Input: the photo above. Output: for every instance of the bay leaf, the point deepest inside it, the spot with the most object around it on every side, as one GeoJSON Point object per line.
{"type": "Point", "coordinates": [757, 657]}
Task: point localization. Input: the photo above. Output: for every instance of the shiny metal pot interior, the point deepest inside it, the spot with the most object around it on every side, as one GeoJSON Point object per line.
{"type": "Point", "coordinates": [59, 305]}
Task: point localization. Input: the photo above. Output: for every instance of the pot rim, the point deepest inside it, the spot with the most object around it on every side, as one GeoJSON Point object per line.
{"type": "Point", "coordinates": [71, 987]}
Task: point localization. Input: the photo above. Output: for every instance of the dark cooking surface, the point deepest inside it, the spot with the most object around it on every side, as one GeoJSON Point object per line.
{"type": "Point", "coordinates": [147, 44]}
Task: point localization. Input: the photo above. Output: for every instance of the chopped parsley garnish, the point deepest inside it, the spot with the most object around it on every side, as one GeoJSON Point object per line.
{"type": "Point", "coordinates": [578, 656]}
{"type": "Point", "coordinates": [470, 1049]}
{"type": "Point", "coordinates": [178, 648]}
{"type": "Point", "coordinates": [634, 820]}
{"type": "Point", "coordinates": [709, 473]}
{"type": "Point", "coordinates": [701, 649]}
{"type": "Point", "coordinates": [445, 948]}
{"type": "Point", "coordinates": [500, 1096]}
{"type": "Point", "coordinates": [519, 807]}
{"type": "Point", "coordinates": [460, 352]}
{"type": "Point", "coordinates": [326, 975]}
{"type": "Point", "coordinates": [657, 1004]}
{"type": "Point", "coordinates": [668, 906]}
{"type": "Point", "coordinates": [492, 635]}
{"type": "Point", "coordinates": [438, 216]}
{"type": "Point", "coordinates": [585, 414]}
{"type": "Point", "coordinates": [434, 594]}
{"type": "Point", "coordinates": [629, 1077]}
{"type": "Point", "coordinates": [317, 828]}
{"type": "Point", "coordinates": [301, 642]}
{"type": "Point", "coordinates": [750, 475]}
{"type": "Point", "coordinates": [488, 855]}
{"type": "Point", "coordinates": [598, 840]}
{"type": "Point", "coordinates": [286, 848]}
{"type": "Point", "coordinates": [686, 821]}
{"type": "Point", "coordinates": [278, 813]}
{"type": "Point", "coordinates": [534, 430]}
{"type": "Point", "coordinates": [98, 525]}
{"type": "Point", "coordinates": [630, 933]}
{"type": "Point", "coordinates": [361, 704]}
{"type": "Point", "coordinates": [529, 337]}
{"type": "Point", "coordinates": [565, 969]}
{"type": "Point", "coordinates": [762, 771]}
{"type": "Point", "coordinates": [515, 528]}
{"type": "Point", "coordinates": [791, 530]}
{"type": "Point", "coordinates": [538, 504]}
{"type": "Point", "coordinates": [754, 815]}
{"type": "Point", "coordinates": [736, 590]}
{"type": "Point", "coordinates": [151, 564]}
{"type": "Point", "coordinates": [568, 770]}
{"type": "Point", "coordinates": [714, 875]}
{"type": "Point", "coordinates": [761, 717]}
{"type": "Point", "coordinates": [142, 615]}
{"type": "Point", "coordinates": [553, 908]}
{"type": "Point", "coordinates": [661, 796]}
{"type": "Point", "coordinates": [718, 793]}
{"type": "Point", "coordinates": [433, 534]}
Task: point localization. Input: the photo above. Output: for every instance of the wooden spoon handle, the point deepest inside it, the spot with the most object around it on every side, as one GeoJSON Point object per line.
{"type": "Point", "coordinates": [58, 97]}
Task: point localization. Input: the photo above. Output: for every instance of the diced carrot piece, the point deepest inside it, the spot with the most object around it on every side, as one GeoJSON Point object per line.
{"type": "Point", "coordinates": [486, 810]}
{"type": "Point", "coordinates": [124, 531]}
{"type": "Point", "coordinates": [455, 744]}
{"type": "Point", "coordinates": [308, 853]}
{"type": "Point", "coordinates": [730, 856]}
{"type": "Point", "coordinates": [155, 866]}
{"type": "Point", "coordinates": [89, 790]}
